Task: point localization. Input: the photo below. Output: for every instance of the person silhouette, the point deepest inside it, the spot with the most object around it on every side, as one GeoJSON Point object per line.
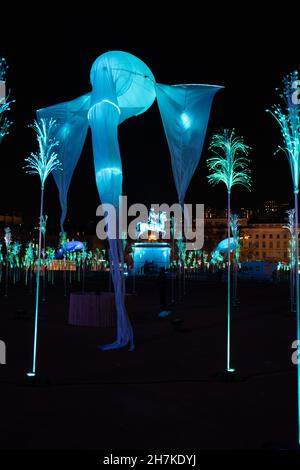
{"type": "Point", "coordinates": [162, 283]}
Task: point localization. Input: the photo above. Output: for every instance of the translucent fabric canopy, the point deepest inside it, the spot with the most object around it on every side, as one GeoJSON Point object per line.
{"type": "Point", "coordinates": [70, 131]}
{"type": "Point", "coordinates": [122, 87]}
{"type": "Point", "coordinates": [185, 112]}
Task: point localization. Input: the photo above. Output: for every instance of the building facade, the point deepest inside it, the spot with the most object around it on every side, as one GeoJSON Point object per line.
{"type": "Point", "coordinates": [259, 241]}
{"type": "Point", "coordinates": [264, 242]}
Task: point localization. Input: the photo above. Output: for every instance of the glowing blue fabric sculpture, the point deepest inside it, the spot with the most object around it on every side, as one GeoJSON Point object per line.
{"type": "Point", "coordinates": [221, 249]}
{"type": "Point", "coordinates": [69, 247]}
{"type": "Point", "coordinates": [122, 87]}
{"type": "Point", "coordinates": [71, 129]}
{"type": "Point", "coordinates": [185, 112]}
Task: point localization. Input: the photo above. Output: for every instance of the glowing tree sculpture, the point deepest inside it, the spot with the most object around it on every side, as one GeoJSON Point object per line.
{"type": "Point", "coordinates": [28, 263]}
{"type": "Point", "coordinates": [291, 228]}
{"type": "Point", "coordinates": [14, 259]}
{"type": "Point", "coordinates": [83, 261]}
{"type": "Point", "coordinates": [41, 163]}
{"type": "Point", "coordinates": [230, 166]}
{"type": "Point", "coordinates": [287, 116]}
{"type": "Point", "coordinates": [62, 243]}
{"type": "Point", "coordinates": [5, 103]}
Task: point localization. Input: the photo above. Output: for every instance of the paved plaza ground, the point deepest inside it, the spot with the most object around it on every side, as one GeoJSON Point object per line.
{"type": "Point", "coordinates": [165, 394]}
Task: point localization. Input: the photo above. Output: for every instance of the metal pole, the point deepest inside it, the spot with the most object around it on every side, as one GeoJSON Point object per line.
{"type": "Point", "coordinates": [37, 289]}
{"type": "Point", "coordinates": [172, 270]}
{"type": "Point", "coordinates": [44, 268]}
{"type": "Point", "coordinates": [228, 286]}
{"type": "Point", "coordinates": [297, 302]}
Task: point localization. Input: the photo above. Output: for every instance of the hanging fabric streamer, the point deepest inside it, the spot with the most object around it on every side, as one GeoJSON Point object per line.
{"type": "Point", "coordinates": [185, 112]}
{"type": "Point", "coordinates": [123, 86]}
{"type": "Point", "coordinates": [71, 129]}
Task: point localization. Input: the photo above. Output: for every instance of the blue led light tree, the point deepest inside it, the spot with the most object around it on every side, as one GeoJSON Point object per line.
{"type": "Point", "coordinates": [291, 228]}
{"type": "Point", "coordinates": [41, 163]}
{"type": "Point", "coordinates": [62, 242]}
{"type": "Point", "coordinates": [230, 166]}
{"type": "Point", "coordinates": [28, 262]}
{"type": "Point", "coordinates": [287, 116]}
{"type": "Point", "coordinates": [5, 103]}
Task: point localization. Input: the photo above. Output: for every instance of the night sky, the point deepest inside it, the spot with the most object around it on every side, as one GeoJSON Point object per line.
{"type": "Point", "coordinates": [50, 64]}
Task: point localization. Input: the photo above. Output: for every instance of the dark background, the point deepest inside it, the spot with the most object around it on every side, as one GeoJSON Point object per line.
{"type": "Point", "coordinates": [49, 62]}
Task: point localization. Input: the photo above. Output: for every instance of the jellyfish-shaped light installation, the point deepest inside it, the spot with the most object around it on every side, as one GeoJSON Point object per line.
{"type": "Point", "coordinates": [122, 87]}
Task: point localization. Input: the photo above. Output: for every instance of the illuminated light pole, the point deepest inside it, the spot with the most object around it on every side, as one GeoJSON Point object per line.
{"type": "Point", "coordinates": [291, 228]}
{"type": "Point", "coordinates": [7, 239]}
{"type": "Point", "coordinates": [230, 166]}
{"type": "Point", "coordinates": [287, 116]}
{"type": "Point", "coordinates": [43, 224]}
{"type": "Point", "coordinates": [41, 163]}
{"type": "Point", "coordinates": [62, 242]}
{"type": "Point", "coordinates": [234, 224]}
{"type": "Point", "coordinates": [5, 103]}
{"type": "Point", "coordinates": [173, 259]}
